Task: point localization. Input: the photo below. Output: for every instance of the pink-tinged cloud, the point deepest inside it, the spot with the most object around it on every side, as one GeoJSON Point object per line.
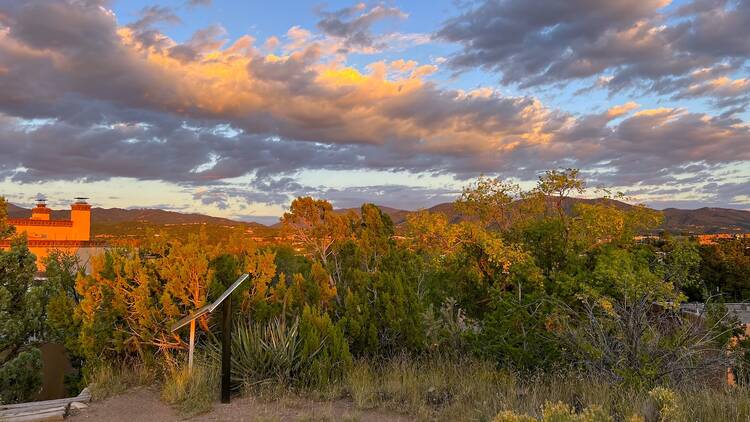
{"type": "Point", "coordinates": [130, 101]}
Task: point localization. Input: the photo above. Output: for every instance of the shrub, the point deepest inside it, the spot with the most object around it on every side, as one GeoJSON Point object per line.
{"type": "Point", "coordinates": [309, 351]}
{"type": "Point", "coordinates": [21, 376]}
{"type": "Point", "coordinates": [324, 347]}
{"type": "Point", "coordinates": [516, 332]}
{"type": "Point", "coordinates": [382, 312]}
{"type": "Point", "coordinates": [22, 303]}
{"type": "Point", "coordinates": [448, 329]}
{"type": "Point", "coordinates": [667, 405]}
{"type": "Point", "coordinates": [558, 412]}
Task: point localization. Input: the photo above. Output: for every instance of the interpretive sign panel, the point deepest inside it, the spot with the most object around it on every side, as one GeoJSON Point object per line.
{"type": "Point", "coordinates": [226, 327]}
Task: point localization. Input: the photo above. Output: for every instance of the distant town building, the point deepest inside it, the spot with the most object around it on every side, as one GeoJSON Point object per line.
{"type": "Point", "coordinates": [712, 239]}
{"type": "Point", "coordinates": [45, 235]}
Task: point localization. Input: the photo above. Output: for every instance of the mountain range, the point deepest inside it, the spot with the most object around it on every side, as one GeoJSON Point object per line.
{"type": "Point", "coordinates": [702, 220]}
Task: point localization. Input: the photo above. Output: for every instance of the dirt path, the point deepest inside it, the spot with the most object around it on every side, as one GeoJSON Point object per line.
{"type": "Point", "coordinates": [142, 404]}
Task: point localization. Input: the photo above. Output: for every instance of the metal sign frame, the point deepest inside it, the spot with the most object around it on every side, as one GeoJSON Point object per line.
{"type": "Point", "coordinates": [226, 329]}
{"type": "Point", "coordinates": [208, 308]}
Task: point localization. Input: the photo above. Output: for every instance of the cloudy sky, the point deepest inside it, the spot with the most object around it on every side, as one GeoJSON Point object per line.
{"type": "Point", "coordinates": [232, 108]}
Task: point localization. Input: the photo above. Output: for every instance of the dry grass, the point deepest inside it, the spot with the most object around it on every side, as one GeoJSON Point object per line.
{"type": "Point", "coordinates": [109, 379]}
{"type": "Point", "coordinates": [446, 390]}
{"type": "Point", "coordinates": [192, 393]}
{"type": "Point", "coordinates": [476, 391]}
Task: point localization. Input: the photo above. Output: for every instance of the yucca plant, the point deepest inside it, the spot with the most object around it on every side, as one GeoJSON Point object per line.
{"type": "Point", "coordinates": [266, 353]}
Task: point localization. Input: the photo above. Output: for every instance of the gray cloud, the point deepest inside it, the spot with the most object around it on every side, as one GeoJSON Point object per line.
{"type": "Point", "coordinates": [626, 44]}
{"type": "Point", "coordinates": [286, 189]}
{"type": "Point", "coordinates": [353, 24]}
{"type": "Point", "coordinates": [194, 3]}
{"type": "Point", "coordinates": [82, 98]}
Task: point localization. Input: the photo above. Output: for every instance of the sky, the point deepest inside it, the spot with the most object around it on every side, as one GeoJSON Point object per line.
{"type": "Point", "coordinates": [233, 108]}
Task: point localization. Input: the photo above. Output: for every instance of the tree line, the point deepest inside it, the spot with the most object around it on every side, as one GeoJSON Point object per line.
{"type": "Point", "coordinates": [526, 282]}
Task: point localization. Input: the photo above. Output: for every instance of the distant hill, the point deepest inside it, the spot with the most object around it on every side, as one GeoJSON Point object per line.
{"type": "Point", "coordinates": [118, 223]}
{"type": "Point", "coordinates": [119, 215]}
{"type": "Point", "coordinates": [702, 220]}
{"type": "Point", "coordinates": [707, 220]}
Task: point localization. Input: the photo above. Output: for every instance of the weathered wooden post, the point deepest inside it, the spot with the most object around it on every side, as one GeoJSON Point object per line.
{"type": "Point", "coordinates": [226, 349]}
{"type": "Point", "coordinates": [226, 333]}
{"type": "Point", "coordinates": [191, 347]}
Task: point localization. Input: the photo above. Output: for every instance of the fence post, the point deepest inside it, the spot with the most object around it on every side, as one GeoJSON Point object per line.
{"type": "Point", "coordinates": [226, 349]}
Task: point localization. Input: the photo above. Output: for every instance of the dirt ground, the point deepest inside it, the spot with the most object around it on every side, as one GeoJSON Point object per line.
{"type": "Point", "coordinates": [142, 404]}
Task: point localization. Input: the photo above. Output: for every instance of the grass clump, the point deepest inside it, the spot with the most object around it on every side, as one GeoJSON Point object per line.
{"type": "Point", "coordinates": [107, 379]}
{"type": "Point", "coordinates": [193, 392]}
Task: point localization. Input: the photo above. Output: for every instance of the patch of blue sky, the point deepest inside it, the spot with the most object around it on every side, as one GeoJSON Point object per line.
{"type": "Point", "coordinates": [30, 125]}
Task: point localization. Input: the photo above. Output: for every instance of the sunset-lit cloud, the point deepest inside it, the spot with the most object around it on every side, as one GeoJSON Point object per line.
{"type": "Point", "coordinates": [234, 119]}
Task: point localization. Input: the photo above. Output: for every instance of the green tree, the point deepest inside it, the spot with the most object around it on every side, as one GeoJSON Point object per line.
{"type": "Point", "coordinates": [725, 267]}
{"type": "Point", "coordinates": [314, 224]}
{"type": "Point", "coordinates": [5, 228]}
{"type": "Point", "coordinates": [682, 263]}
{"type": "Point", "coordinates": [517, 332]}
{"type": "Point", "coordinates": [22, 302]}
{"type": "Point", "coordinates": [382, 311]}
{"type": "Point", "coordinates": [490, 201]}
{"type": "Point", "coordinates": [324, 346]}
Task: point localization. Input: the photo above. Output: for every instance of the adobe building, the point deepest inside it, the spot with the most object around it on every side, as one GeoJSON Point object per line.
{"type": "Point", "coordinates": [45, 235]}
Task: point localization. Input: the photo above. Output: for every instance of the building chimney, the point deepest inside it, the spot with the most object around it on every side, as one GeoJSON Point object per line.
{"type": "Point", "coordinates": [40, 211]}
{"type": "Point", "coordinates": [80, 214]}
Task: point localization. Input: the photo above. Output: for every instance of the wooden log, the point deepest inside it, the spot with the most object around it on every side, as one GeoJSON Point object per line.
{"type": "Point", "coordinates": [30, 409]}
{"type": "Point", "coordinates": [84, 397]}
{"type": "Point", "coordinates": [37, 415]}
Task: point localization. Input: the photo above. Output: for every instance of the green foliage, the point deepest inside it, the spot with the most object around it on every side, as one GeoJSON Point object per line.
{"type": "Point", "coordinates": [682, 265]}
{"type": "Point", "coordinates": [517, 332]}
{"type": "Point", "coordinates": [22, 306]}
{"type": "Point", "coordinates": [530, 280]}
{"type": "Point", "coordinates": [558, 412]}
{"type": "Point", "coordinates": [448, 329]}
{"type": "Point", "coordinates": [62, 326]}
{"type": "Point", "coordinates": [285, 354]}
{"type": "Point", "coordinates": [725, 267]}
{"type": "Point", "coordinates": [288, 263]}
{"type": "Point", "coordinates": [21, 376]}
{"type": "Point", "coordinates": [324, 346]}
{"type": "Point", "coordinates": [490, 201]}
{"type": "Point", "coordinates": [629, 275]}
{"type": "Point", "coordinates": [382, 312]}
{"type": "Point", "coordinates": [5, 229]}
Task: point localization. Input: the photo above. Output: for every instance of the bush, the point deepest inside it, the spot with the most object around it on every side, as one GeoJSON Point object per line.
{"type": "Point", "coordinates": [516, 332]}
{"type": "Point", "coordinates": [558, 412]}
{"type": "Point", "coordinates": [382, 313]}
{"type": "Point", "coordinates": [666, 404]}
{"type": "Point", "coordinates": [324, 347]}
{"type": "Point", "coordinates": [22, 303]}
{"type": "Point", "coordinates": [448, 329]}
{"type": "Point", "coordinates": [309, 351]}
{"type": "Point", "coordinates": [21, 377]}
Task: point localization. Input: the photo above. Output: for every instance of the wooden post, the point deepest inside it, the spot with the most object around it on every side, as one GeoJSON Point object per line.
{"type": "Point", "coordinates": [226, 348]}
{"type": "Point", "coordinates": [192, 347]}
